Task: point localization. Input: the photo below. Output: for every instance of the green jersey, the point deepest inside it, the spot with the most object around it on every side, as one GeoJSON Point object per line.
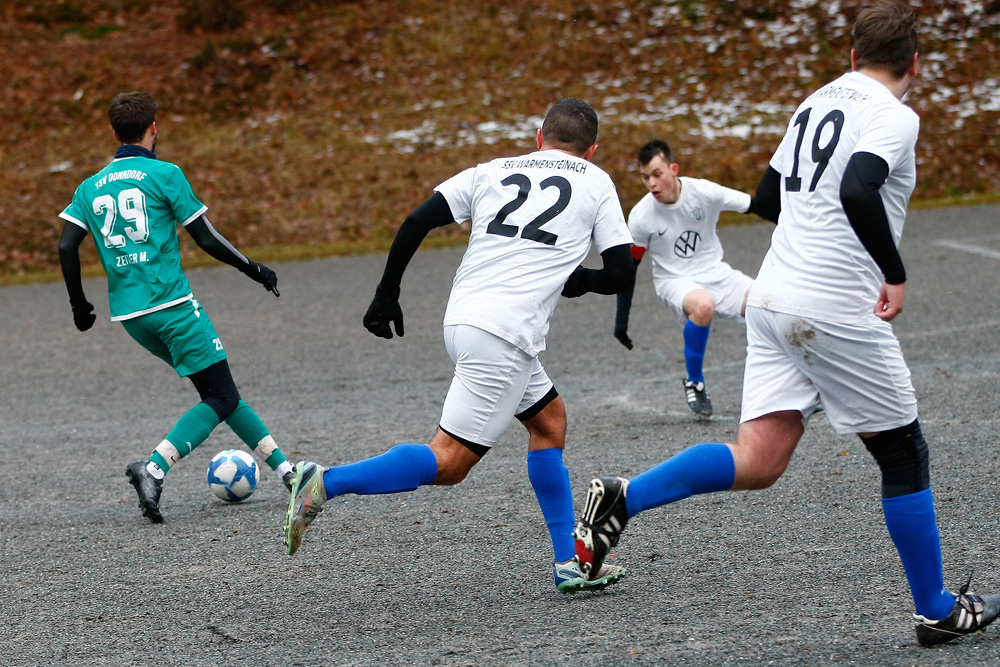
{"type": "Point", "coordinates": [133, 206]}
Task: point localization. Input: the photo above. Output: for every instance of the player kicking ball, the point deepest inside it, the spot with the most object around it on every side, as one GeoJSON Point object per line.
{"type": "Point", "coordinates": [133, 207]}
{"type": "Point", "coordinates": [675, 222]}
{"type": "Point", "coordinates": [819, 325]}
{"type": "Point", "coordinates": [534, 218]}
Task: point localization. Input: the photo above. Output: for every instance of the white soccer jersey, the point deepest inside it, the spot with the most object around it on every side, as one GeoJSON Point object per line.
{"type": "Point", "coordinates": [533, 220]}
{"type": "Point", "coordinates": [681, 238]}
{"type": "Point", "coordinates": [816, 266]}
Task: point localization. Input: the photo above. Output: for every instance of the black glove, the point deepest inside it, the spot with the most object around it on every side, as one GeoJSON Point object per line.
{"type": "Point", "coordinates": [383, 310]}
{"type": "Point", "coordinates": [83, 315]}
{"type": "Point", "coordinates": [577, 284]}
{"type": "Point", "coordinates": [622, 336]}
{"type": "Point", "coordinates": [265, 276]}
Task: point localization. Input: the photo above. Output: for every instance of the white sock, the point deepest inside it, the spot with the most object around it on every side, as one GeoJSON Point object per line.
{"type": "Point", "coordinates": [282, 469]}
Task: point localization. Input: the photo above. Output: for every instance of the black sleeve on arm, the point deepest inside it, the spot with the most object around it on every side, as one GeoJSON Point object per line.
{"type": "Point", "coordinates": [617, 275]}
{"type": "Point", "coordinates": [216, 245]}
{"type": "Point", "coordinates": [767, 202]}
{"type": "Point", "coordinates": [864, 175]}
{"type": "Point", "coordinates": [69, 260]}
{"type": "Point", "coordinates": [434, 212]}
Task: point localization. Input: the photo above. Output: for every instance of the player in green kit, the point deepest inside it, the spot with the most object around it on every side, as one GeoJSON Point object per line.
{"type": "Point", "coordinates": [133, 207]}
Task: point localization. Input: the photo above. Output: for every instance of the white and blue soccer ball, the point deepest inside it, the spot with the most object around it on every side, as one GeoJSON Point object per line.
{"type": "Point", "coordinates": [232, 475]}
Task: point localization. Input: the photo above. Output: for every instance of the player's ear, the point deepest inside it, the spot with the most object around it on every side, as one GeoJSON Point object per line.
{"type": "Point", "coordinates": [913, 66]}
{"type": "Point", "coordinates": [539, 138]}
{"type": "Point", "coordinates": [675, 168]}
{"type": "Point", "coordinates": [854, 60]}
{"type": "Point", "coordinates": [590, 151]}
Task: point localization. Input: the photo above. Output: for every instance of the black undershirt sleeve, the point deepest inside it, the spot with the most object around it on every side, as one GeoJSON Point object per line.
{"type": "Point", "coordinates": [69, 260]}
{"type": "Point", "coordinates": [767, 202]}
{"type": "Point", "coordinates": [216, 245]}
{"type": "Point", "coordinates": [434, 212]}
{"type": "Point", "coordinates": [617, 274]}
{"type": "Point", "coordinates": [859, 193]}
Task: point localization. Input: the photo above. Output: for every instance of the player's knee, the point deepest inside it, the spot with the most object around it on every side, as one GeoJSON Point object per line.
{"type": "Point", "coordinates": [452, 471]}
{"type": "Point", "coordinates": [223, 402]}
{"type": "Point", "coordinates": [762, 478]}
{"type": "Point", "coordinates": [702, 311]}
{"type": "Point", "coordinates": [902, 457]}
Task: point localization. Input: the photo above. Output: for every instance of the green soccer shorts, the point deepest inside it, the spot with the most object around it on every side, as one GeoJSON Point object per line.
{"type": "Point", "coordinates": [182, 335]}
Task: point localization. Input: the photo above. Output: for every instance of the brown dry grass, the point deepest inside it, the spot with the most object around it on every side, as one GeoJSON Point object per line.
{"type": "Point", "coordinates": [315, 132]}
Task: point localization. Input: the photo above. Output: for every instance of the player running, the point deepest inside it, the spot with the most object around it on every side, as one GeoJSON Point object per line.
{"type": "Point", "coordinates": [676, 223]}
{"type": "Point", "coordinates": [133, 206]}
{"type": "Point", "coordinates": [533, 220]}
{"type": "Point", "coordinates": [818, 325]}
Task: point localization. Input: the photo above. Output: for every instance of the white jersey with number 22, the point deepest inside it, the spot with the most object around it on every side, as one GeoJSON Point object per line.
{"type": "Point", "coordinates": [533, 220]}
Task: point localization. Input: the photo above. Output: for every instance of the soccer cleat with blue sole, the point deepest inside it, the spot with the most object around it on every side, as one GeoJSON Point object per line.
{"type": "Point", "coordinates": [308, 496]}
{"type": "Point", "coordinates": [570, 580]}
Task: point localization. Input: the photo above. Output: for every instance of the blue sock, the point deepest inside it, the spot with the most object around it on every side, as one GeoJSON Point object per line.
{"type": "Point", "coordinates": [402, 468]}
{"type": "Point", "coordinates": [695, 343]}
{"type": "Point", "coordinates": [913, 529]}
{"type": "Point", "coordinates": [703, 468]}
{"type": "Point", "coordinates": [550, 479]}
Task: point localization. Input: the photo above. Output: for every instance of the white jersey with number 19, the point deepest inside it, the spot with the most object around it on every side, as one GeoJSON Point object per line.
{"type": "Point", "coordinates": [816, 266]}
{"type": "Point", "coordinates": [533, 220]}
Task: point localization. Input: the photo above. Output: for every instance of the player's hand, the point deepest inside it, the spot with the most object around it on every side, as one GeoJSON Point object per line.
{"type": "Point", "coordinates": [622, 336]}
{"type": "Point", "coordinates": [576, 284]}
{"type": "Point", "coordinates": [890, 301]}
{"type": "Point", "coordinates": [83, 315]}
{"type": "Point", "coordinates": [384, 309]}
{"type": "Point", "coordinates": [266, 277]}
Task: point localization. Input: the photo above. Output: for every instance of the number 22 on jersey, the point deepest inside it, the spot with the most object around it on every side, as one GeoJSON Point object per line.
{"type": "Point", "coordinates": [533, 230]}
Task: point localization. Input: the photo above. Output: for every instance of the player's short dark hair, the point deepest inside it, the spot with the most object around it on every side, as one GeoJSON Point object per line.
{"type": "Point", "coordinates": [131, 114]}
{"type": "Point", "coordinates": [654, 148]}
{"type": "Point", "coordinates": [571, 123]}
{"type": "Point", "coordinates": [885, 37]}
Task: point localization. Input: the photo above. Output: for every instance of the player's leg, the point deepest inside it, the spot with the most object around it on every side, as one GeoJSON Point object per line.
{"type": "Point", "coordinates": [218, 390]}
{"type": "Point", "coordinates": [185, 338]}
{"type": "Point", "coordinates": [908, 505]}
{"type": "Point", "coordinates": [776, 396]}
{"type": "Point", "coordinates": [478, 408]}
{"type": "Point", "coordinates": [763, 449]}
{"type": "Point", "coordinates": [699, 307]}
{"type": "Point", "coordinates": [543, 414]}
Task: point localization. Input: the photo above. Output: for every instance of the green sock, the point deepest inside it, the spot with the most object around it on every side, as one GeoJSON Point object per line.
{"type": "Point", "coordinates": [190, 431]}
{"type": "Point", "coordinates": [251, 430]}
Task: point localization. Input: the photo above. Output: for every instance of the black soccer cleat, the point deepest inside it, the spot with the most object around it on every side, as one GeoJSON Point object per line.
{"type": "Point", "coordinates": [148, 488]}
{"type": "Point", "coordinates": [601, 523]}
{"type": "Point", "coordinates": [971, 613]}
{"type": "Point", "coordinates": [697, 398]}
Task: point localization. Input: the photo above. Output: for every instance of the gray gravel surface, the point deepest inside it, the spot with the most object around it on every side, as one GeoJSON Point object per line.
{"type": "Point", "coordinates": [801, 574]}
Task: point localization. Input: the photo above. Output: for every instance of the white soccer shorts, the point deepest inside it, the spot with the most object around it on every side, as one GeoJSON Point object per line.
{"type": "Point", "coordinates": [728, 293]}
{"type": "Point", "coordinates": [494, 380]}
{"type": "Point", "coordinates": [856, 372]}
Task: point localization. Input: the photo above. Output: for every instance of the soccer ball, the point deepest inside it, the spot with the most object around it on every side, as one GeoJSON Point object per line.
{"type": "Point", "coordinates": [232, 475]}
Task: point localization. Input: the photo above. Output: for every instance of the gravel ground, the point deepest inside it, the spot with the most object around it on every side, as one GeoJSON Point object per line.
{"type": "Point", "coordinates": [801, 574]}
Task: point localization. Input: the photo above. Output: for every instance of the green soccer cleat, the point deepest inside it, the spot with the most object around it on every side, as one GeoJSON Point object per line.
{"type": "Point", "coordinates": [308, 496]}
{"type": "Point", "coordinates": [569, 580]}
